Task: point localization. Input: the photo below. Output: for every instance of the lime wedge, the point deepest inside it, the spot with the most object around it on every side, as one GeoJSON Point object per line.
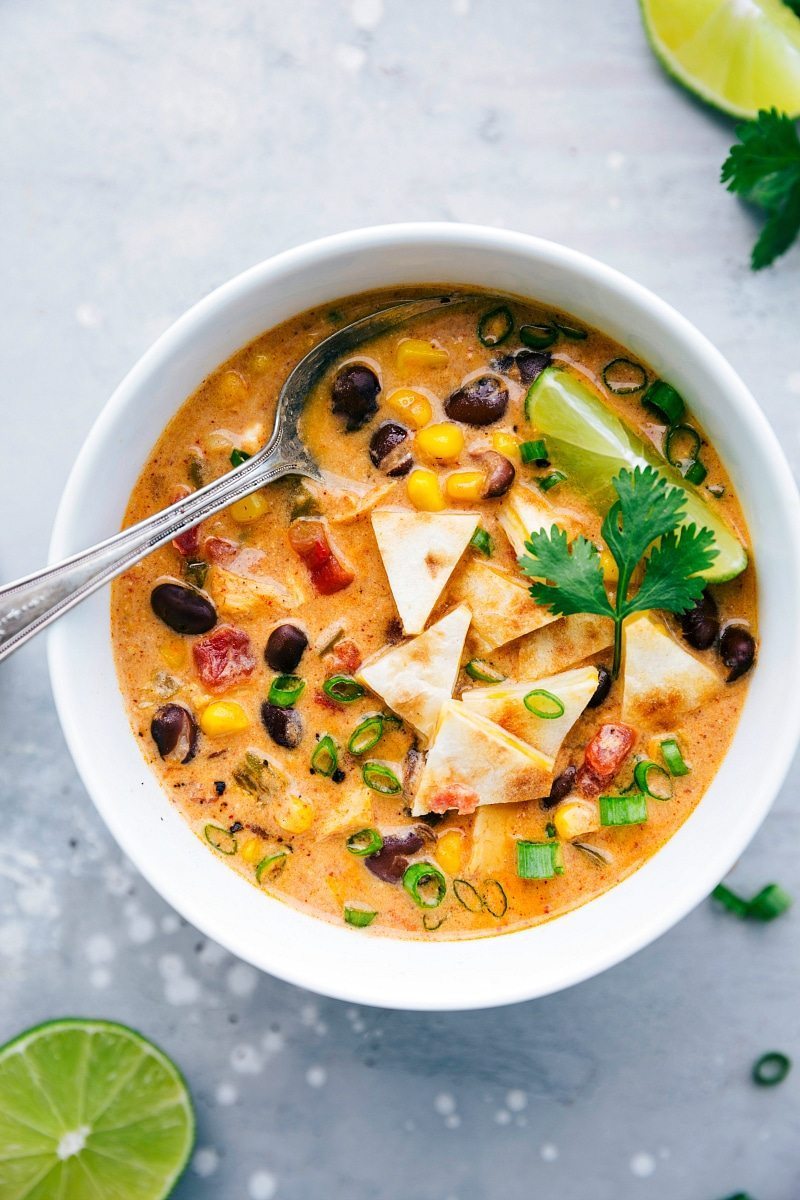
{"type": "Point", "coordinates": [590, 444]}
{"type": "Point", "coordinates": [739, 55]}
{"type": "Point", "coordinates": [89, 1110]}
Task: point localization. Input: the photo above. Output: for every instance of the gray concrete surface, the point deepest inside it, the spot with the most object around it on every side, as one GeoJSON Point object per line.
{"type": "Point", "coordinates": [149, 150]}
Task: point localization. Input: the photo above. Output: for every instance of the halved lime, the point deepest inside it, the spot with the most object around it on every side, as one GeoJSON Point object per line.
{"type": "Point", "coordinates": [590, 444]}
{"type": "Point", "coordinates": [90, 1110]}
{"type": "Point", "coordinates": [739, 55]}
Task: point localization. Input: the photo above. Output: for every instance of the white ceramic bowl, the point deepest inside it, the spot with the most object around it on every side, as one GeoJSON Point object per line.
{"type": "Point", "coordinates": [339, 961]}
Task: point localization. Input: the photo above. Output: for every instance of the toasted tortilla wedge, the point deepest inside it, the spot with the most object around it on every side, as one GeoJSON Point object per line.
{"type": "Point", "coordinates": [420, 551]}
{"type": "Point", "coordinates": [502, 607]}
{"type": "Point", "coordinates": [524, 512]}
{"type": "Point", "coordinates": [562, 644]}
{"type": "Point", "coordinates": [661, 678]}
{"type": "Point", "coordinates": [505, 705]}
{"type": "Point", "coordinates": [473, 761]}
{"type": "Point", "coordinates": [417, 677]}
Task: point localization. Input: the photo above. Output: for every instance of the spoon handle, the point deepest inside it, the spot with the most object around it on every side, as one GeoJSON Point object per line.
{"type": "Point", "coordinates": [30, 604]}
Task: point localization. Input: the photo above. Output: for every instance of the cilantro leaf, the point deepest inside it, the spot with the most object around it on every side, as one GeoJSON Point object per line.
{"type": "Point", "coordinates": [764, 169]}
{"type": "Point", "coordinates": [575, 572]}
{"type": "Point", "coordinates": [647, 508]}
{"type": "Point", "coordinates": [671, 577]}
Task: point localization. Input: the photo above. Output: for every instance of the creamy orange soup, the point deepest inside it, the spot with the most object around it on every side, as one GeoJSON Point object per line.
{"type": "Point", "coordinates": [348, 689]}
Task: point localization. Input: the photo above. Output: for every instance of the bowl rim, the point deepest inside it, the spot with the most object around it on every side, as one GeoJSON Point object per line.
{"type": "Point", "coordinates": [305, 972]}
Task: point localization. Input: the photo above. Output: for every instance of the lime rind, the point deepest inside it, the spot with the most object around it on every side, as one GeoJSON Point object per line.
{"type": "Point", "coordinates": [738, 55]}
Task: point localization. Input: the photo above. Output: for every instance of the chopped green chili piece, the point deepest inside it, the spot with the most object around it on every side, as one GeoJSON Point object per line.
{"type": "Point", "coordinates": [695, 473]}
{"type": "Point", "coordinates": [539, 860]}
{"type": "Point", "coordinates": [482, 541]}
{"type": "Point", "coordinates": [653, 780]}
{"type": "Point", "coordinates": [196, 572]}
{"type": "Point", "coordinates": [495, 898]}
{"type": "Point", "coordinates": [623, 810]}
{"type": "Point", "coordinates": [573, 332]}
{"type": "Point", "coordinates": [220, 839]}
{"type": "Point", "coordinates": [483, 672]}
{"type": "Point", "coordinates": [238, 457]}
{"type": "Point", "coordinates": [623, 377]}
{"type": "Point", "coordinates": [544, 704]}
{"type": "Point", "coordinates": [360, 918]}
{"type": "Point", "coordinates": [380, 778]}
{"type": "Point", "coordinates": [343, 688]}
{"type": "Point", "coordinates": [366, 735]}
{"type": "Point", "coordinates": [325, 758]}
{"type": "Point", "coordinates": [467, 896]}
{"type": "Point", "coordinates": [682, 445]}
{"type": "Point", "coordinates": [538, 337]}
{"type": "Point", "coordinates": [771, 1069]}
{"type": "Point", "coordinates": [671, 753]}
{"type": "Point", "coordinates": [665, 400]}
{"type": "Point", "coordinates": [549, 481]}
{"type": "Point", "coordinates": [495, 326]}
{"type": "Point", "coordinates": [364, 842]}
{"type": "Point", "coordinates": [425, 884]}
{"type": "Point", "coordinates": [286, 690]}
{"type": "Point", "coordinates": [272, 865]}
{"type": "Point", "coordinates": [534, 452]}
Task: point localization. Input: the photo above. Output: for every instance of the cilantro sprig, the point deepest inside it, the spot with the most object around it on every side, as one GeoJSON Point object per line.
{"type": "Point", "coordinates": [568, 577]}
{"type": "Point", "coordinates": [764, 169]}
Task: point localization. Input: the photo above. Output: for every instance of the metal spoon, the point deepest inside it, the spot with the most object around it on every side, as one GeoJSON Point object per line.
{"type": "Point", "coordinates": [30, 604]}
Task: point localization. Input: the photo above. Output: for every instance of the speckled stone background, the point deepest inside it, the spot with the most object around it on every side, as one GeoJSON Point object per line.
{"type": "Point", "coordinates": [149, 150]}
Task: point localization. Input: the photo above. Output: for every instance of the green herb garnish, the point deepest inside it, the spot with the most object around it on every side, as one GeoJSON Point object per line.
{"type": "Point", "coordinates": [771, 902]}
{"type": "Point", "coordinates": [647, 511]}
{"type": "Point", "coordinates": [764, 169]}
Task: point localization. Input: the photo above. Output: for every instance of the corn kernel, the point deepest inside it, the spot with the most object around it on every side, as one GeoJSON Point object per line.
{"type": "Point", "coordinates": [295, 815]}
{"type": "Point", "coordinates": [414, 353]}
{"type": "Point", "coordinates": [249, 508]}
{"type": "Point", "coordinates": [450, 851]}
{"type": "Point", "coordinates": [609, 565]}
{"type": "Point", "coordinates": [222, 717]}
{"type": "Point", "coordinates": [412, 405]}
{"type": "Point", "coordinates": [573, 818]}
{"type": "Point", "coordinates": [424, 490]}
{"type": "Point", "coordinates": [505, 443]}
{"type": "Point", "coordinates": [465, 485]}
{"type": "Point", "coordinates": [444, 441]}
{"type": "Point", "coordinates": [173, 653]}
{"type": "Point", "coordinates": [252, 851]}
{"type": "Point", "coordinates": [231, 388]}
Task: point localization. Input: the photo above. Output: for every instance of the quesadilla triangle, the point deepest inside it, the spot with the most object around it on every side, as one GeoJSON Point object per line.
{"type": "Point", "coordinates": [473, 761]}
{"type": "Point", "coordinates": [502, 607]}
{"type": "Point", "coordinates": [661, 679]}
{"type": "Point", "coordinates": [565, 642]}
{"type": "Point", "coordinates": [419, 552]}
{"type": "Point", "coordinates": [417, 677]}
{"type": "Point", "coordinates": [523, 513]}
{"type": "Point", "coordinates": [553, 706]}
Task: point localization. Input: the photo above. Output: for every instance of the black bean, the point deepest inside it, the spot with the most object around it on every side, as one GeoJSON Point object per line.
{"type": "Point", "coordinates": [182, 608]}
{"type": "Point", "coordinates": [479, 402]}
{"type": "Point", "coordinates": [390, 863]}
{"type": "Point", "coordinates": [355, 391]}
{"type": "Point", "coordinates": [562, 786]}
{"type": "Point", "coordinates": [737, 649]}
{"type": "Point", "coordinates": [284, 725]}
{"type": "Point", "coordinates": [500, 473]}
{"type": "Point", "coordinates": [387, 449]}
{"type": "Point", "coordinates": [603, 687]}
{"type": "Point", "coordinates": [285, 646]}
{"type": "Point", "coordinates": [531, 363]}
{"type": "Point", "coordinates": [700, 625]}
{"type": "Point", "coordinates": [174, 731]}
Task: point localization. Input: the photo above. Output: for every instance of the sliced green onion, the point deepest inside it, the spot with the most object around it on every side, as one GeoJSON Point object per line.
{"type": "Point", "coordinates": [220, 839]}
{"type": "Point", "coordinates": [771, 1068]}
{"type": "Point", "coordinates": [623, 377]}
{"type": "Point", "coordinates": [325, 759]}
{"type": "Point", "coordinates": [495, 326]}
{"type": "Point", "coordinates": [573, 332]}
{"type": "Point", "coordinates": [425, 884]}
{"type": "Point", "coordinates": [431, 922]}
{"type": "Point", "coordinates": [343, 688]}
{"type": "Point", "coordinates": [770, 903]}
{"type": "Point", "coordinates": [539, 860]}
{"type": "Point", "coordinates": [550, 830]}
{"type": "Point", "coordinates": [533, 452]}
{"type": "Point", "coordinates": [380, 778]}
{"type": "Point", "coordinates": [238, 457]}
{"type": "Point", "coordinates": [665, 400]}
{"type": "Point", "coordinates": [550, 481]}
{"type": "Point", "coordinates": [696, 472]}
{"type": "Point", "coordinates": [728, 899]}
{"type": "Point", "coordinates": [653, 780]}
{"type": "Point", "coordinates": [196, 572]}
{"type": "Point", "coordinates": [538, 337]}
{"type": "Point", "coordinates": [623, 810]}
{"type": "Point", "coordinates": [482, 541]}
{"type": "Point", "coordinates": [467, 896]}
{"type": "Point", "coordinates": [495, 898]}
{"type": "Point", "coordinates": [366, 735]}
{"type": "Point", "coordinates": [360, 918]}
{"type": "Point", "coordinates": [286, 690]}
{"type": "Point", "coordinates": [483, 672]}
{"type": "Point", "coordinates": [671, 753]}
{"type": "Point", "coordinates": [544, 704]}
{"type": "Point", "coordinates": [682, 445]}
{"type": "Point", "coordinates": [365, 842]}
{"type": "Point", "coordinates": [272, 865]}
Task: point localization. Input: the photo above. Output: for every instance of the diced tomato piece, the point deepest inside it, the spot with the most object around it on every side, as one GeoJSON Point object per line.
{"type": "Point", "coordinates": [455, 796]}
{"type": "Point", "coordinates": [346, 656]}
{"type": "Point", "coordinates": [608, 749]}
{"type": "Point", "coordinates": [220, 550]}
{"type": "Point", "coordinates": [187, 543]}
{"type": "Point", "coordinates": [224, 658]}
{"type": "Point", "coordinates": [309, 540]}
{"type": "Point", "coordinates": [331, 577]}
{"type": "Point", "coordinates": [324, 701]}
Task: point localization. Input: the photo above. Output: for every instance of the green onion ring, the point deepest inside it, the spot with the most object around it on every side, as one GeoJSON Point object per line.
{"type": "Point", "coordinates": [286, 690]}
{"type": "Point", "coordinates": [220, 839]}
{"type": "Point", "coordinates": [359, 918]}
{"type": "Point", "coordinates": [538, 337]}
{"type": "Point", "coordinates": [422, 875]}
{"type": "Point", "coordinates": [380, 778]}
{"type": "Point", "coordinates": [771, 1069]}
{"type": "Point", "coordinates": [623, 810]}
{"type": "Point", "coordinates": [343, 688]}
{"type": "Point", "coordinates": [550, 481]}
{"type": "Point", "coordinates": [539, 860]}
{"type": "Point", "coordinates": [665, 401]}
{"type": "Point", "coordinates": [495, 898]}
{"type": "Point", "coordinates": [483, 672]}
{"type": "Point", "coordinates": [641, 777]}
{"type": "Point", "coordinates": [573, 332]}
{"type": "Point", "coordinates": [238, 457]}
{"type": "Point", "coordinates": [771, 902]}
{"type": "Point", "coordinates": [542, 710]}
{"type": "Point", "coordinates": [467, 896]}
{"type": "Point", "coordinates": [678, 431]}
{"type": "Point", "coordinates": [272, 865]}
{"type": "Point", "coordinates": [325, 759]}
{"type": "Point", "coordinates": [695, 472]}
{"type": "Point", "coordinates": [366, 734]}
{"type": "Point", "coordinates": [364, 842]}
{"type": "Point", "coordinates": [534, 452]}
{"type": "Point", "coordinates": [428, 921]}
{"type": "Point", "coordinates": [482, 541]}
{"type": "Point", "coordinates": [622, 387]}
{"type": "Point", "coordinates": [671, 753]}
{"type": "Point", "coordinates": [485, 336]}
